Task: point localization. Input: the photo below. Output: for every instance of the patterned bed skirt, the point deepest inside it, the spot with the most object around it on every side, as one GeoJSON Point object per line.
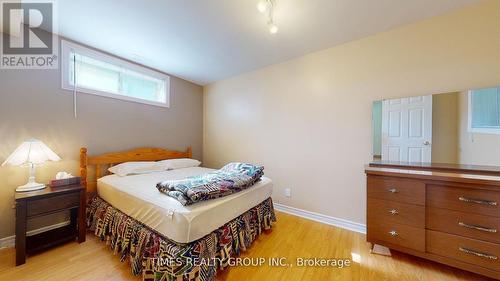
{"type": "Point", "coordinates": [159, 258]}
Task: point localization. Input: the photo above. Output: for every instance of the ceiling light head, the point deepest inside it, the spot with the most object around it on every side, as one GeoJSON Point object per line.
{"type": "Point", "coordinates": [273, 28]}
{"type": "Point", "coordinates": [262, 6]}
{"type": "Point", "coordinates": [267, 6]}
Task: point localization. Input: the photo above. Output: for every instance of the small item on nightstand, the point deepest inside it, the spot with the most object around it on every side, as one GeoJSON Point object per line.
{"type": "Point", "coordinates": [64, 179]}
{"type": "Point", "coordinates": [63, 175]}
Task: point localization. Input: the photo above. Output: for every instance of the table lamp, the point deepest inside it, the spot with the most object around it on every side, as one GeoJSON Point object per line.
{"type": "Point", "coordinates": [31, 153]}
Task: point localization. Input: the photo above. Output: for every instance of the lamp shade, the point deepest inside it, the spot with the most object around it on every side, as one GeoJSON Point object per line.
{"type": "Point", "coordinates": [31, 151]}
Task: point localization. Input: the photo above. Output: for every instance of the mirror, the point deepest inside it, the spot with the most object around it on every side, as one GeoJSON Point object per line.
{"type": "Point", "coordinates": [452, 128]}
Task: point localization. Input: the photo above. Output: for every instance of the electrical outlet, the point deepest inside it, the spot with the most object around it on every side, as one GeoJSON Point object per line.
{"type": "Point", "coordinates": [288, 192]}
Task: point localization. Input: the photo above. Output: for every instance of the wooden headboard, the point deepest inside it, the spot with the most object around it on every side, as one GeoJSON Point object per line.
{"type": "Point", "coordinates": [104, 161]}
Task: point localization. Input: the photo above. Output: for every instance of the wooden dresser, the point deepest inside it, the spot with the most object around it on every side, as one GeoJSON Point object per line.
{"type": "Point", "coordinates": [447, 216]}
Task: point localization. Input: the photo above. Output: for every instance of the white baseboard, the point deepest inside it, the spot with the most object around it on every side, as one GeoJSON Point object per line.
{"type": "Point", "coordinates": [7, 242]}
{"type": "Point", "coordinates": [342, 223]}
{"type": "Point", "coordinates": [10, 241]}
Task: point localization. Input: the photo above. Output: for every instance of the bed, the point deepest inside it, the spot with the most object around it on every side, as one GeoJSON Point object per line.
{"type": "Point", "coordinates": [161, 238]}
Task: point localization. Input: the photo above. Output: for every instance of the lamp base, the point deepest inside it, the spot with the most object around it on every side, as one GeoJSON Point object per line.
{"type": "Point", "coordinates": [30, 186]}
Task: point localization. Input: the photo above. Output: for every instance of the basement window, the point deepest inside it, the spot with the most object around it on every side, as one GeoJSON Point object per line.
{"type": "Point", "coordinates": [484, 111]}
{"type": "Point", "coordinates": [100, 74]}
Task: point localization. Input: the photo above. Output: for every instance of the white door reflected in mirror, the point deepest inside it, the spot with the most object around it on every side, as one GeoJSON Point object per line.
{"type": "Point", "coordinates": [406, 129]}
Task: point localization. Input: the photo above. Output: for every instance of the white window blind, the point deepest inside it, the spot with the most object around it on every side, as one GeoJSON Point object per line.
{"type": "Point", "coordinates": [100, 74]}
{"type": "Point", "coordinates": [484, 110]}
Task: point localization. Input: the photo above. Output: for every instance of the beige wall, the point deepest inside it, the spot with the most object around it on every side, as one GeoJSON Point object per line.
{"type": "Point", "coordinates": [479, 149]}
{"type": "Point", "coordinates": [445, 128]}
{"type": "Point", "coordinates": [32, 104]}
{"type": "Point", "coordinates": [308, 120]}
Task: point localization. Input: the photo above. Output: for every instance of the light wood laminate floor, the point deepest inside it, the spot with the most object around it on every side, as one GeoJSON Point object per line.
{"type": "Point", "coordinates": [292, 237]}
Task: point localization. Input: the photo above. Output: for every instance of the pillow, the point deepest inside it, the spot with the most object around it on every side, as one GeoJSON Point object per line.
{"type": "Point", "coordinates": [180, 163]}
{"type": "Point", "coordinates": [129, 168]}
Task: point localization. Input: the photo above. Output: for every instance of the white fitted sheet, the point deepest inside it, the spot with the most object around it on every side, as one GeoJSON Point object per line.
{"type": "Point", "coordinates": [137, 196]}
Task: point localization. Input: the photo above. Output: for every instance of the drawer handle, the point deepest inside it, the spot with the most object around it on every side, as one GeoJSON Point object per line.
{"type": "Point", "coordinates": [393, 233]}
{"type": "Point", "coordinates": [393, 190]}
{"type": "Point", "coordinates": [393, 212]}
{"type": "Point", "coordinates": [477, 227]}
{"type": "Point", "coordinates": [477, 201]}
{"type": "Point", "coordinates": [477, 254]}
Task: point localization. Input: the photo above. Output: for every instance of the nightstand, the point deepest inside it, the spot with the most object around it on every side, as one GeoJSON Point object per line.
{"type": "Point", "coordinates": [45, 202]}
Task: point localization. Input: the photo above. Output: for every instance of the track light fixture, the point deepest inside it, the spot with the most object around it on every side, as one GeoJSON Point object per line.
{"type": "Point", "coordinates": [268, 6]}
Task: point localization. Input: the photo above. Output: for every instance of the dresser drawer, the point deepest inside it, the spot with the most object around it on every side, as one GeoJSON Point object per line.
{"type": "Point", "coordinates": [477, 201]}
{"type": "Point", "coordinates": [392, 212]}
{"type": "Point", "coordinates": [464, 224]}
{"type": "Point", "coordinates": [397, 234]}
{"type": "Point", "coordinates": [468, 250]}
{"type": "Point", "coordinates": [396, 189]}
{"type": "Point", "coordinates": [47, 205]}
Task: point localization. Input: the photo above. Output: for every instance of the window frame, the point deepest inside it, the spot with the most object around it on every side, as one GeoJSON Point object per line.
{"type": "Point", "coordinates": [67, 47]}
{"type": "Point", "coordinates": [470, 129]}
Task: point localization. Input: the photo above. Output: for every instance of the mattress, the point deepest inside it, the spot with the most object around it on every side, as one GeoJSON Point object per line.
{"type": "Point", "coordinates": [137, 196]}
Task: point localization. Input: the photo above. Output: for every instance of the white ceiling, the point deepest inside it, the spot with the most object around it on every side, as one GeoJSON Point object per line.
{"type": "Point", "coordinates": [207, 40]}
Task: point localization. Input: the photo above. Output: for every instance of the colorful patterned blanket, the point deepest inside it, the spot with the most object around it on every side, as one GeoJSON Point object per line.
{"type": "Point", "coordinates": [231, 178]}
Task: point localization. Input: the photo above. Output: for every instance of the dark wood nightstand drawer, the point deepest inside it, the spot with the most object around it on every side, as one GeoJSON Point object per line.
{"type": "Point", "coordinates": [56, 203]}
